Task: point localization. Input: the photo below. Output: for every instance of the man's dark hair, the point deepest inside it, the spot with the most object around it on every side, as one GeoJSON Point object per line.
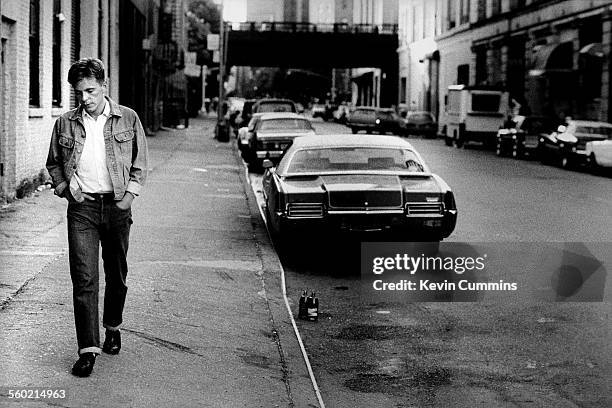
{"type": "Point", "coordinates": [86, 68]}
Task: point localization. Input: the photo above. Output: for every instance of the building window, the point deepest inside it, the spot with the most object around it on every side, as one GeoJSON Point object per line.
{"type": "Point", "coordinates": [463, 74]}
{"type": "Point", "coordinates": [465, 12]}
{"type": "Point", "coordinates": [482, 9]}
{"type": "Point", "coordinates": [414, 25]}
{"type": "Point", "coordinates": [451, 15]}
{"type": "Point", "coordinates": [57, 55]}
{"type": "Point", "coordinates": [34, 53]}
{"type": "Point", "coordinates": [495, 7]}
{"type": "Point", "coordinates": [75, 44]}
{"type": "Point", "coordinates": [515, 70]}
{"type": "Point", "coordinates": [100, 22]}
{"type": "Point", "coordinates": [517, 4]}
{"type": "Point", "coordinates": [403, 90]}
{"type": "Point", "coordinates": [481, 65]}
{"type": "Point", "coordinates": [424, 21]}
{"type": "Point", "coordinates": [495, 65]}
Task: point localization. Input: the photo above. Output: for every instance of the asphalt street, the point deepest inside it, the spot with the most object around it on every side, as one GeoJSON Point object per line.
{"type": "Point", "coordinates": [517, 350]}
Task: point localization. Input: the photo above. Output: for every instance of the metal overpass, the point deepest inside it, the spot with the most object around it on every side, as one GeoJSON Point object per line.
{"type": "Point", "coordinates": [304, 45]}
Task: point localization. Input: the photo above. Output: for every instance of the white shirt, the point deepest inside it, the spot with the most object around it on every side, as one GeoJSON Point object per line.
{"type": "Point", "coordinates": [92, 173]}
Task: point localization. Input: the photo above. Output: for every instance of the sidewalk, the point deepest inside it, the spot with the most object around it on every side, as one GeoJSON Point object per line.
{"type": "Point", "coordinates": [205, 323]}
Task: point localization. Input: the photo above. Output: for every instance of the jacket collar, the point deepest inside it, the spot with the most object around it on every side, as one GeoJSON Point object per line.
{"type": "Point", "coordinates": [77, 114]}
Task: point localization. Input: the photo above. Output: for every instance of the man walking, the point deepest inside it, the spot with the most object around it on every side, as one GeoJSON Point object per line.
{"type": "Point", "coordinates": [98, 162]}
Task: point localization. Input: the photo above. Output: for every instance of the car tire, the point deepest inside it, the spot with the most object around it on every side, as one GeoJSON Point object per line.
{"type": "Point", "coordinates": [448, 141]}
{"type": "Point", "coordinates": [283, 242]}
{"type": "Point", "coordinates": [520, 151]}
{"type": "Point", "coordinates": [498, 149]}
{"type": "Point", "coordinates": [459, 142]}
{"type": "Point", "coordinates": [354, 130]}
{"type": "Point", "coordinates": [515, 151]}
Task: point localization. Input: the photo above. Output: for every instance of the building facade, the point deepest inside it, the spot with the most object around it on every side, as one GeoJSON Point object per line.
{"type": "Point", "coordinates": [553, 56]}
{"type": "Point", "coordinates": [367, 82]}
{"type": "Point", "coordinates": [40, 39]}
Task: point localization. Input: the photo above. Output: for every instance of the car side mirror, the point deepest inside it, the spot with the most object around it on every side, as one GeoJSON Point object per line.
{"type": "Point", "coordinates": [561, 129]}
{"type": "Point", "coordinates": [267, 164]}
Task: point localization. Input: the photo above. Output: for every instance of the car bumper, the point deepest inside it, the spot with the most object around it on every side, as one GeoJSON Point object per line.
{"type": "Point", "coordinates": [440, 226]}
{"type": "Point", "coordinates": [422, 131]}
{"type": "Point", "coordinates": [269, 154]}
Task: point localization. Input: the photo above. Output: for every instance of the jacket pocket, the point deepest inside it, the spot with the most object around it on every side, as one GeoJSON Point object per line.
{"type": "Point", "coordinates": [123, 146]}
{"type": "Point", "coordinates": [125, 136]}
{"type": "Point", "coordinates": [66, 142]}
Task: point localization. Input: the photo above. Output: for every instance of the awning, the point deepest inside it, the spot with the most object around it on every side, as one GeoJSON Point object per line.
{"type": "Point", "coordinates": [552, 58]}
{"type": "Point", "coordinates": [593, 50]}
{"type": "Point", "coordinates": [365, 77]}
{"type": "Point", "coordinates": [434, 56]}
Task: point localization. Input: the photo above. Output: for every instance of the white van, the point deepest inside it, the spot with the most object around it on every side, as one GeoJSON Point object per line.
{"type": "Point", "coordinates": [473, 114]}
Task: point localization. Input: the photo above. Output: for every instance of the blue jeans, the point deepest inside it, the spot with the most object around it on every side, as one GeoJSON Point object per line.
{"type": "Point", "coordinates": [91, 224]}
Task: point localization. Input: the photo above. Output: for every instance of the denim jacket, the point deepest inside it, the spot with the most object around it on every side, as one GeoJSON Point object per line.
{"type": "Point", "coordinates": [126, 150]}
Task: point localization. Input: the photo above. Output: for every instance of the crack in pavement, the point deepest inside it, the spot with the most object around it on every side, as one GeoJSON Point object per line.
{"type": "Point", "coordinates": [164, 343]}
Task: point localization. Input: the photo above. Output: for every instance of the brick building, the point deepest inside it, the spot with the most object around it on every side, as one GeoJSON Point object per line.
{"type": "Point", "coordinates": [40, 40]}
{"type": "Point", "coordinates": [553, 56]}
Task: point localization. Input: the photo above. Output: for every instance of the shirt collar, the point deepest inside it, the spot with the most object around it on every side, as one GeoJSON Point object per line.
{"type": "Point", "coordinates": [105, 111]}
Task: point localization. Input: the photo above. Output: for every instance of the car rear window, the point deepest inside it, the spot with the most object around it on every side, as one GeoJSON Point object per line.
{"type": "Point", "coordinates": [354, 158]}
{"type": "Point", "coordinates": [275, 107]}
{"type": "Point", "coordinates": [388, 115]}
{"type": "Point", "coordinates": [539, 125]}
{"type": "Point", "coordinates": [281, 125]}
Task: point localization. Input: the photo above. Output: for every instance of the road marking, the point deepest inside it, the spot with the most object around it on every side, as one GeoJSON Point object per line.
{"type": "Point", "coordinates": [200, 170]}
{"type": "Point", "coordinates": [315, 386]}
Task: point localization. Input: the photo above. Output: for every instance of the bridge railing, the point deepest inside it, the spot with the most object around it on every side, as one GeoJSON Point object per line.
{"type": "Point", "coordinates": [294, 27]}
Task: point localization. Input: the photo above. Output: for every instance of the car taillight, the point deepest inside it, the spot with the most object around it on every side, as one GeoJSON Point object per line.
{"type": "Point", "coordinates": [449, 201]}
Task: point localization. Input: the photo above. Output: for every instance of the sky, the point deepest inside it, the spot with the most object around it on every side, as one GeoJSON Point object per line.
{"type": "Point", "coordinates": [234, 10]}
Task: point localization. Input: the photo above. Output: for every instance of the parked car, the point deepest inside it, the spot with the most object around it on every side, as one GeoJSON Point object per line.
{"type": "Point", "coordinates": [245, 134]}
{"type": "Point", "coordinates": [377, 120]}
{"type": "Point", "coordinates": [421, 123]}
{"type": "Point", "coordinates": [356, 184]}
{"type": "Point", "coordinates": [599, 154]}
{"type": "Point", "coordinates": [567, 146]}
{"type": "Point", "coordinates": [273, 133]}
{"type": "Point", "coordinates": [521, 135]}
{"type": "Point", "coordinates": [274, 105]}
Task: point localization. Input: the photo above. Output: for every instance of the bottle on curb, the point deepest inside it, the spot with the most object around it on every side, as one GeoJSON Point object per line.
{"type": "Point", "coordinates": [302, 312]}
{"type": "Point", "coordinates": [312, 307]}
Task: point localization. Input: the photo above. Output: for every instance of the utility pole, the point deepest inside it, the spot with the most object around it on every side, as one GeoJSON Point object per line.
{"type": "Point", "coordinates": [222, 130]}
{"type": "Point", "coordinates": [203, 74]}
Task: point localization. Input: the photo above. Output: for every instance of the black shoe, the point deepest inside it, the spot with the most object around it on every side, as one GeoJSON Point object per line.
{"type": "Point", "coordinates": [112, 342]}
{"type": "Point", "coordinates": [84, 365]}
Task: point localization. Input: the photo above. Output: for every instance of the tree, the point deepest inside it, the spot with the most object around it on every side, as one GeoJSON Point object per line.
{"type": "Point", "coordinates": [202, 19]}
